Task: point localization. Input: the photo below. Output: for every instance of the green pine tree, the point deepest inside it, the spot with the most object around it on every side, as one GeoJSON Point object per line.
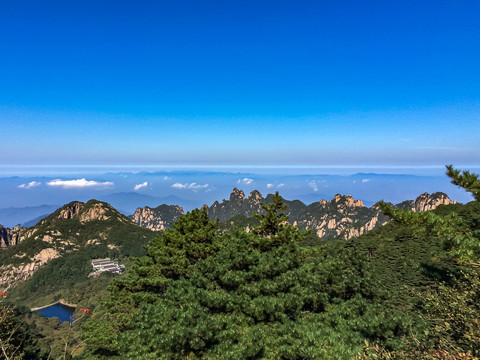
{"type": "Point", "coordinates": [465, 179]}
{"type": "Point", "coordinates": [257, 296]}
{"type": "Point", "coordinates": [169, 257]}
{"type": "Point", "coordinates": [274, 220]}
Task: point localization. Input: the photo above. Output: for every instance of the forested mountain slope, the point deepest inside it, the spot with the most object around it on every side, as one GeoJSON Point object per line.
{"type": "Point", "coordinates": [77, 229]}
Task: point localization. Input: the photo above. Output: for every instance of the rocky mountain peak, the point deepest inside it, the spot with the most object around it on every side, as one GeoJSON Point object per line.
{"type": "Point", "coordinates": [347, 200]}
{"type": "Point", "coordinates": [94, 211]}
{"type": "Point", "coordinates": [427, 202]}
{"type": "Point", "coordinates": [351, 202]}
{"type": "Point", "coordinates": [255, 195]}
{"type": "Point", "coordinates": [84, 212]}
{"type": "Point", "coordinates": [237, 195]}
{"type": "Point", "coordinates": [68, 229]}
{"type": "Point", "coordinates": [158, 218]}
{"type": "Point", "coordinates": [237, 204]}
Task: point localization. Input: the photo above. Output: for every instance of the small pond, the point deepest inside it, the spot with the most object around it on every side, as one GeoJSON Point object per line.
{"type": "Point", "coordinates": [62, 312]}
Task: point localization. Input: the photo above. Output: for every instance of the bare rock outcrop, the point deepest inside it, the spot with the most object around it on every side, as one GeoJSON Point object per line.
{"type": "Point", "coordinates": [10, 275]}
{"type": "Point", "coordinates": [255, 196]}
{"type": "Point", "coordinates": [341, 217]}
{"type": "Point", "coordinates": [237, 195]}
{"type": "Point", "coordinates": [157, 219]}
{"type": "Point", "coordinates": [13, 236]}
{"type": "Point", "coordinates": [71, 210]}
{"type": "Point", "coordinates": [427, 202]}
{"type": "Point", "coordinates": [237, 204]}
{"type": "Point", "coordinates": [4, 238]}
{"type": "Point", "coordinates": [96, 211]}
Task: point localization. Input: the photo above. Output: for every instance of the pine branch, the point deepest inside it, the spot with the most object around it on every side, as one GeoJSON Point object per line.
{"type": "Point", "coordinates": [467, 180]}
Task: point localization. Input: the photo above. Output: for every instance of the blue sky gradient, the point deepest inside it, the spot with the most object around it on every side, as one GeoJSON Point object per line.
{"type": "Point", "coordinates": [311, 83]}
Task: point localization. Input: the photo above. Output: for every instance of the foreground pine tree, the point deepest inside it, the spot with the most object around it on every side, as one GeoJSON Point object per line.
{"type": "Point", "coordinates": [244, 296]}
{"type": "Point", "coordinates": [450, 309]}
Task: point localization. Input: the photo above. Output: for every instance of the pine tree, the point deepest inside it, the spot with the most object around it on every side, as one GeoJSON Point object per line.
{"type": "Point", "coordinates": [274, 219]}
{"type": "Point", "coordinates": [450, 308]}
{"type": "Point", "coordinates": [260, 295]}
{"type": "Point", "coordinates": [169, 257]}
{"type": "Point", "coordinates": [465, 179]}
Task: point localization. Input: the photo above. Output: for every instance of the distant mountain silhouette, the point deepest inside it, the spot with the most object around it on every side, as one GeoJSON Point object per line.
{"type": "Point", "coordinates": [128, 202]}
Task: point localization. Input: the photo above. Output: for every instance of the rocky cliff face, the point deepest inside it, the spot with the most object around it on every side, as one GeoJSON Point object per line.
{"type": "Point", "coordinates": [11, 274]}
{"type": "Point", "coordinates": [71, 210]}
{"type": "Point", "coordinates": [427, 202]}
{"type": "Point", "coordinates": [4, 238]}
{"type": "Point", "coordinates": [158, 218]}
{"type": "Point", "coordinates": [13, 236]}
{"type": "Point", "coordinates": [238, 204]}
{"type": "Point", "coordinates": [341, 217]}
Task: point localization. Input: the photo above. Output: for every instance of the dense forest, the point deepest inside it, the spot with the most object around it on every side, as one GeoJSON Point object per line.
{"type": "Point", "coordinates": [408, 290]}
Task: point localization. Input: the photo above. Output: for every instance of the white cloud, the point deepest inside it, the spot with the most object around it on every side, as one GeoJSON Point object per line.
{"type": "Point", "coordinates": [139, 186]}
{"type": "Point", "coordinates": [79, 184]}
{"type": "Point", "coordinates": [245, 181]}
{"type": "Point", "coordinates": [313, 185]}
{"type": "Point", "coordinates": [365, 180]}
{"type": "Point", "coordinates": [166, 178]}
{"type": "Point", "coordinates": [269, 186]}
{"type": "Point", "coordinates": [192, 186]}
{"type": "Point", "coordinates": [30, 185]}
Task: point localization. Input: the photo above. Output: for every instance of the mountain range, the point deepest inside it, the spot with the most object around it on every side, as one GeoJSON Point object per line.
{"type": "Point", "coordinates": [341, 217]}
{"type": "Point", "coordinates": [66, 240]}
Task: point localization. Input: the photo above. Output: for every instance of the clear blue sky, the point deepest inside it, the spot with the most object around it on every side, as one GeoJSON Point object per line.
{"type": "Point", "coordinates": [240, 82]}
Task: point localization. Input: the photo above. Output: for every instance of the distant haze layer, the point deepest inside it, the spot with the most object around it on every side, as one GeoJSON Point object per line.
{"type": "Point", "coordinates": [25, 196]}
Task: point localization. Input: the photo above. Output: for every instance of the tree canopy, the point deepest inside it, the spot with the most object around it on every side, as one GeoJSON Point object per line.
{"type": "Point", "coordinates": [246, 295]}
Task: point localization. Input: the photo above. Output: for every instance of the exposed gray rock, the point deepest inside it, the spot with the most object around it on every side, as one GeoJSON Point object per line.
{"type": "Point", "coordinates": [427, 202]}
{"type": "Point", "coordinates": [4, 238]}
{"type": "Point", "coordinates": [158, 218]}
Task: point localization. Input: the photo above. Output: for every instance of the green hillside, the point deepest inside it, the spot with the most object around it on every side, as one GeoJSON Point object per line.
{"type": "Point", "coordinates": [96, 231]}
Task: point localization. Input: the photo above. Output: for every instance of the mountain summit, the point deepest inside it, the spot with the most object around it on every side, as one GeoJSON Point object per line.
{"type": "Point", "coordinates": [77, 227]}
